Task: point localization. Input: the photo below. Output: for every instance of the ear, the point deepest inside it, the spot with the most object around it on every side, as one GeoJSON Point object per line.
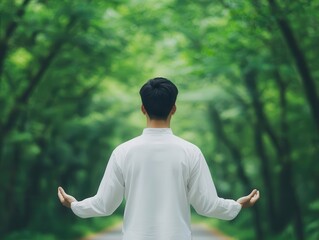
{"type": "Point", "coordinates": [173, 109]}
{"type": "Point", "coordinates": [143, 110]}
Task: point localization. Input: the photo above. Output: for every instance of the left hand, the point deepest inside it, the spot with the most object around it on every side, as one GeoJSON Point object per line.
{"type": "Point", "coordinates": [65, 199]}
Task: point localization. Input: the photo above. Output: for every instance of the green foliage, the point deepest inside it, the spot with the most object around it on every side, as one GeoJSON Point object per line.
{"type": "Point", "coordinates": [70, 72]}
{"type": "Point", "coordinates": [80, 229]}
{"type": "Point", "coordinates": [27, 235]}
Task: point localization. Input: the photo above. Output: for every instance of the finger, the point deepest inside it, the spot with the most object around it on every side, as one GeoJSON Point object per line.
{"type": "Point", "coordinates": [253, 192]}
{"type": "Point", "coordinates": [60, 197]}
{"type": "Point", "coordinates": [255, 197]}
{"type": "Point", "coordinates": [60, 189]}
{"type": "Point", "coordinates": [63, 193]}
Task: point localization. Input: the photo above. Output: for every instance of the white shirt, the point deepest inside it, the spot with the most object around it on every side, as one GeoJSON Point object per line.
{"type": "Point", "coordinates": [160, 175]}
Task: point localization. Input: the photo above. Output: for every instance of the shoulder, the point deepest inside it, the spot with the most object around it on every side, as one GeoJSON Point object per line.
{"type": "Point", "coordinates": [125, 146]}
{"type": "Point", "coordinates": [187, 145]}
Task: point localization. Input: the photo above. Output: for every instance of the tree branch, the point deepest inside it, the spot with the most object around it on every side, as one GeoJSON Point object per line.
{"type": "Point", "coordinates": [12, 26]}
{"type": "Point", "coordinates": [12, 118]}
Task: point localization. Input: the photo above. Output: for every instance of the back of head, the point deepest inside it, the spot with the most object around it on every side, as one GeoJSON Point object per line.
{"type": "Point", "coordinates": [158, 97]}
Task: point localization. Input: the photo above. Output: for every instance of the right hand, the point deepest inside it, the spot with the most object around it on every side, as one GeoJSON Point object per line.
{"type": "Point", "coordinates": [249, 200]}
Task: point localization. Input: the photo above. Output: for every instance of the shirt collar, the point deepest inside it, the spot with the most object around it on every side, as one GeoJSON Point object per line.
{"type": "Point", "coordinates": [157, 131]}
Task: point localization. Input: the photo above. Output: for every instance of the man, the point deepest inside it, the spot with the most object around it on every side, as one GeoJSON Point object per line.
{"type": "Point", "coordinates": [160, 175]}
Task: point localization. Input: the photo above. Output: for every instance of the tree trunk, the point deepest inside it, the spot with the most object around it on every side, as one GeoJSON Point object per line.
{"type": "Point", "coordinates": [289, 203]}
{"type": "Point", "coordinates": [300, 60]}
{"type": "Point", "coordinates": [237, 157]}
{"type": "Point", "coordinates": [262, 123]}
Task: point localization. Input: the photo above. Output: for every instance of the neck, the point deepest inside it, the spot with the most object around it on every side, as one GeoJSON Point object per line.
{"type": "Point", "coordinates": [151, 123]}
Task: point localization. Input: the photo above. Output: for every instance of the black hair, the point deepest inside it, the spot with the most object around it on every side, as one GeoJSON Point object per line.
{"type": "Point", "coordinates": [158, 97]}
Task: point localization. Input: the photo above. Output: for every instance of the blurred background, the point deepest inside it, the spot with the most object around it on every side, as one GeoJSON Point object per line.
{"type": "Point", "coordinates": [247, 72]}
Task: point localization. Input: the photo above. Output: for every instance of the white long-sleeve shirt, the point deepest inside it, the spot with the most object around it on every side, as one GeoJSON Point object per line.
{"type": "Point", "coordinates": [160, 175]}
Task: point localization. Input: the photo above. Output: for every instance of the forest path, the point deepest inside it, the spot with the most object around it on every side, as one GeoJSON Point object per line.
{"type": "Point", "coordinates": [199, 232]}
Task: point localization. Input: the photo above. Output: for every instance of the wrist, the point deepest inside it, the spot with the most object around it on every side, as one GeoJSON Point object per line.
{"type": "Point", "coordinates": [72, 203]}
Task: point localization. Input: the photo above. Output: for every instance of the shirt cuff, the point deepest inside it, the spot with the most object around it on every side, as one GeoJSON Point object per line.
{"type": "Point", "coordinates": [236, 210]}
{"type": "Point", "coordinates": [73, 206]}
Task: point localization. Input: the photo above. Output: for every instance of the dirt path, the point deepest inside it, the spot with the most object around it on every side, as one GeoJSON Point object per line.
{"type": "Point", "coordinates": [200, 232]}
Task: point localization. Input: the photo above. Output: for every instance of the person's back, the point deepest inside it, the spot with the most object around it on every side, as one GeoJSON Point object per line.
{"type": "Point", "coordinates": [160, 175]}
{"type": "Point", "coordinates": [156, 168]}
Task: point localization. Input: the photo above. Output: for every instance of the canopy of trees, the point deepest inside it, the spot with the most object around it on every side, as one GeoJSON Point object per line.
{"type": "Point", "coordinates": [247, 71]}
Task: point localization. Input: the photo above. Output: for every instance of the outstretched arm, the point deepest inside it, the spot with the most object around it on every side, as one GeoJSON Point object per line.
{"type": "Point", "coordinates": [108, 197]}
{"type": "Point", "coordinates": [65, 199]}
{"type": "Point", "coordinates": [249, 200]}
{"type": "Point", "coordinates": [203, 195]}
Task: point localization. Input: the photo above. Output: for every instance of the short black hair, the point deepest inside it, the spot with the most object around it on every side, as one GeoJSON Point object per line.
{"type": "Point", "coordinates": [158, 97]}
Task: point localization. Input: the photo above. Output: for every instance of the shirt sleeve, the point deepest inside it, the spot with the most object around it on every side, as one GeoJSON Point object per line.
{"type": "Point", "coordinates": [108, 197]}
{"type": "Point", "coordinates": [203, 196]}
